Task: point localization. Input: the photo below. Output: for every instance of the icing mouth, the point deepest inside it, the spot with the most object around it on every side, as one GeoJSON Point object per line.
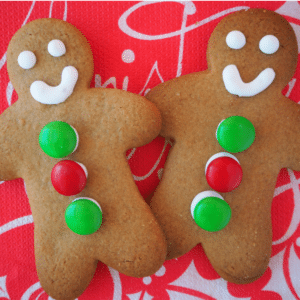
{"type": "Point", "coordinates": [46, 94]}
{"type": "Point", "coordinates": [235, 85]}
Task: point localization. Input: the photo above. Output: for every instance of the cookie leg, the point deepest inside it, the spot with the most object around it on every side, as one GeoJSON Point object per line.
{"type": "Point", "coordinates": [130, 239]}
{"type": "Point", "coordinates": [65, 273]}
{"type": "Point", "coordinates": [182, 180]}
{"type": "Point", "coordinates": [241, 251]}
{"type": "Point", "coordinates": [63, 261]}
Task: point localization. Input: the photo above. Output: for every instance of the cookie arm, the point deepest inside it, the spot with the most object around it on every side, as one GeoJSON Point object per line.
{"type": "Point", "coordinates": [9, 146]}
{"type": "Point", "coordinates": [288, 140]}
{"type": "Point", "coordinates": [177, 100]}
{"type": "Point", "coordinates": [131, 119]}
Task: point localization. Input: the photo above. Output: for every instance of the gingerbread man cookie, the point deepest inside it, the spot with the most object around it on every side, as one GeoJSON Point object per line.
{"type": "Point", "coordinates": [68, 142]}
{"type": "Point", "coordinates": [233, 131]}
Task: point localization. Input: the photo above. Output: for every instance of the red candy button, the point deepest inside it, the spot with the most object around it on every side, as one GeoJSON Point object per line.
{"type": "Point", "coordinates": [223, 172]}
{"type": "Point", "coordinates": [68, 177]}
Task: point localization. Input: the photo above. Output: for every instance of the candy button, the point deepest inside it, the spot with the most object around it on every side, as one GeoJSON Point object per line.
{"type": "Point", "coordinates": [84, 216]}
{"type": "Point", "coordinates": [58, 139]}
{"type": "Point", "coordinates": [223, 172]}
{"type": "Point", "coordinates": [235, 134]}
{"type": "Point", "coordinates": [210, 211]}
{"type": "Point", "coordinates": [69, 177]}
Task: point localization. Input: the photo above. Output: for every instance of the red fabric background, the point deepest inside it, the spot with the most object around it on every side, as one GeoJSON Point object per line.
{"type": "Point", "coordinates": [160, 54]}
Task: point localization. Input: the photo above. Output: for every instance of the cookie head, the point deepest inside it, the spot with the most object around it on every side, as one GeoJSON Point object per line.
{"type": "Point", "coordinates": [48, 60]}
{"type": "Point", "coordinates": [252, 51]}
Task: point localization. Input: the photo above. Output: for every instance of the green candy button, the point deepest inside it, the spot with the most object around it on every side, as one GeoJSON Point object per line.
{"type": "Point", "coordinates": [84, 216]}
{"type": "Point", "coordinates": [235, 134]}
{"type": "Point", "coordinates": [58, 139]}
{"type": "Point", "coordinates": [210, 211]}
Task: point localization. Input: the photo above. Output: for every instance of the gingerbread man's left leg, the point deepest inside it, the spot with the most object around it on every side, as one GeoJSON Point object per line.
{"type": "Point", "coordinates": [244, 245]}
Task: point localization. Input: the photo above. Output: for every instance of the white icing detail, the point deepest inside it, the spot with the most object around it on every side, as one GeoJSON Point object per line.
{"type": "Point", "coordinates": [235, 40]}
{"type": "Point", "coordinates": [202, 196]}
{"type": "Point", "coordinates": [26, 60]}
{"type": "Point", "coordinates": [56, 48]}
{"type": "Point", "coordinates": [128, 56]}
{"type": "Point", "coordinates": [77, 139]}
{"type": "Point", "coordinates": [46, 94]}
{"type": "Point", "coordinates": [218, 155]}
{"type": "Point", "coordinates": [235, 85]}
{"type": "Point", "coordinates": [83, 167]}
{"type": "Point", "coordinates": [269, 44]}
{"type": "Point", "coordinates": [88, 199]}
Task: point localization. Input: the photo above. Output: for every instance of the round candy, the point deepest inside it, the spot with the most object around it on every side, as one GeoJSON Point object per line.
{"type": "Point", "coordinates": [84, 216]}
{"type": "Point", "coordinates": [223, 172]}
{"type": "Point", "coordinates": [210, 211]}
{"type": "Point", "coordinates": [69, 177]}
{"type": "Point", "coordinates": [235, 134]}
{"type": "Point", "coordinates": [58, 139]}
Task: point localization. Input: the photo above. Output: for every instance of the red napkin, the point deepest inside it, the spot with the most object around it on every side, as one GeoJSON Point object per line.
{"type": "Point", "coordinates": [137, 45]}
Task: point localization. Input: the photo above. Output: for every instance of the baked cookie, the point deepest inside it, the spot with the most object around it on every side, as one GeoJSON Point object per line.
{"type": "Point", "coordinates": [233, 131]}
{"type": "Point", "coordinates": [68, 142]}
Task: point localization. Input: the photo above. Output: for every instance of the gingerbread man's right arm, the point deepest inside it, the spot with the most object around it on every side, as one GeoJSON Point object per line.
{"type": "Point", "coordinates": [10, 145]}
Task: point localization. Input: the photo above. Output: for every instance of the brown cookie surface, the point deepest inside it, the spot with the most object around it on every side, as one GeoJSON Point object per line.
{"type": "Point", "coordinates": [53, 84]}
{"type": "Point", "coordinates": [247, 70]}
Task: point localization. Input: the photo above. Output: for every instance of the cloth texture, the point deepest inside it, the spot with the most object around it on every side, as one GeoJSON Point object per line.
{"type": "Point", "coordinates": [137, 45]}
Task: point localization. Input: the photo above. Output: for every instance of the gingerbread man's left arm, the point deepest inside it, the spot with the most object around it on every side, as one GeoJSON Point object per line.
{"type": "Point", "coordinates": [135, 126]}
{"type": "Point", "coordinates": [288, 145]}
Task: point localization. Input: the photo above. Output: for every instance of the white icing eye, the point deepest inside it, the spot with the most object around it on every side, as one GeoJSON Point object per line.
{"type": "Point", "coordinates": [269, 44]}
{"type": "Point", "coordinates": [235, 40]}
{"type": "Point", "coordinates": [26, 60]}
{"type": "Point", "coordinates": [56, 48]}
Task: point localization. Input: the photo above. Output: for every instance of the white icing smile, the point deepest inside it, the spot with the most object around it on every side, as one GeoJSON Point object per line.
{"type": "Point", "coordinates": [235, 85]}
{"type": "Point", "coordinates": [46, 94]}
